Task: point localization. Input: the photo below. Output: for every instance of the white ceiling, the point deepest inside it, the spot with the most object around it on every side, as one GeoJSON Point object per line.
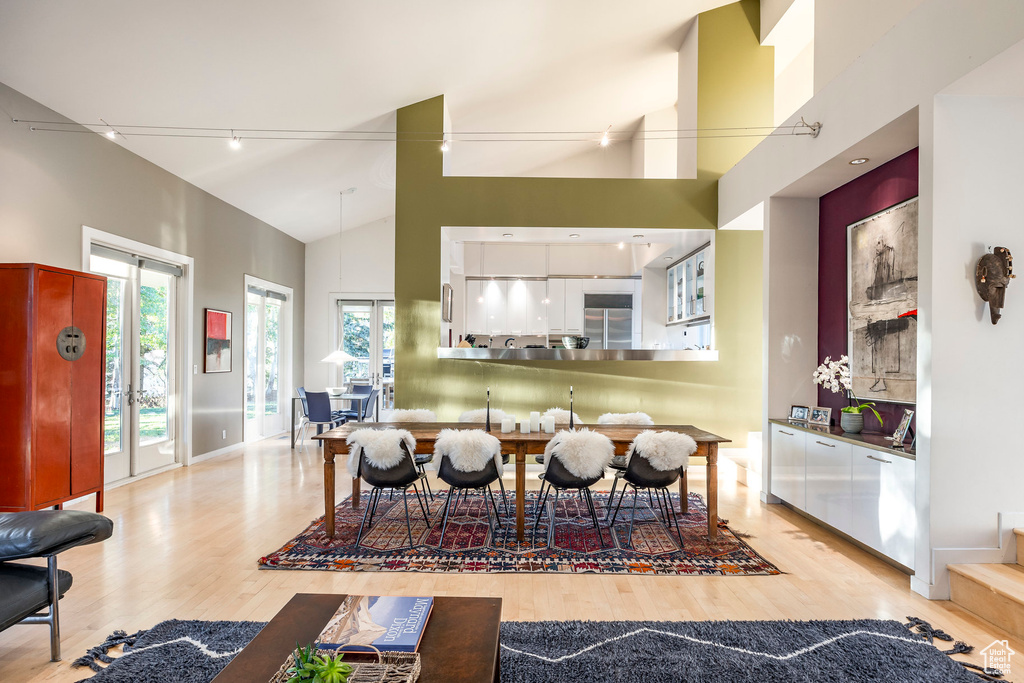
{"type": "Point", "coordinates": [504, 65]}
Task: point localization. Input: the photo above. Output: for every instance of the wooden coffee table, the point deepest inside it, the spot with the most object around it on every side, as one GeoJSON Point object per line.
{"type": "Point", "coordinates": [460, 642]}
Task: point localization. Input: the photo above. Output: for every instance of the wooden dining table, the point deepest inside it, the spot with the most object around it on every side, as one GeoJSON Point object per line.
{"type": "Point", "coordinates": [334, 444]}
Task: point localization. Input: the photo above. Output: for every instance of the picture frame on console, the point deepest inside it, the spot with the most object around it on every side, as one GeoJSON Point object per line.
{"type": "Point", "coordinates": [799, 413]}
{"type": "Point", "coordinates": [901, 431]}
{"type": "Point", "coordinates": [820, 416]}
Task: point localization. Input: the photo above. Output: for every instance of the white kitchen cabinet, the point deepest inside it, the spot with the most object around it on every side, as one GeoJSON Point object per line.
{"type": "Point", "coordinates": [536, 309]}
{"type": "Point", "coordinates": [495, 294]}
{"type": "Point", "coordinates": [476, 307]}
{"type": "Point", "coordinates": [828, 487]}
{"type": "Point", "coordinates": [788, 465]}
{"type": "Point", "coordinates": [515, 311]}
{"type": "Point", "coordinates": [884, 515]}
{"type": "Point", "coordinates": [573, 306]}
{"type": "Point", "coordinates": [556, 305]}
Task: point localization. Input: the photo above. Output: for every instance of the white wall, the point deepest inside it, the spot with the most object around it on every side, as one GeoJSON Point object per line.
{"type": "Point", "coordinates": [975, 366]}
{"type": "Point", "coordinates": [363, 263]}
{"type": "Point", "coordinates": [654, 145]}
{"type": "Point", "coordinates": [613, 161]}
{"type": "Point", "coordinates": [843, 30]}
{"type": "Point", "coordinates": [686, 104]}
{"type": "Point", "coordinates": [540, 260]}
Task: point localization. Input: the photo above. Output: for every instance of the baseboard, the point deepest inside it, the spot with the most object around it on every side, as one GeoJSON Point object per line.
{"type": "Point", "coordinates": [220, 451]}
{"type": "Point", "coordinates": [145, 475]}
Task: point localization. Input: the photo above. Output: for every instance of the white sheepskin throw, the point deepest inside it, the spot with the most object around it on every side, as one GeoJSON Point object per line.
{"type": "Point", "coordinates": [562, 416]}
{"type": "Point", "coordinates": [481, 416]}
{"type": "Point", "coordinates": [468, 450]}
{"type": "Point", "coordinates": [382, 447]}
{"type": "Point", "coordinates": [583, 452]}
{"type": "Point", "coordinates": [625, 419]}
{"type": "Point", "coordinates": [664, 450]}
{"type": "Point", "coordinates": [416, 415]}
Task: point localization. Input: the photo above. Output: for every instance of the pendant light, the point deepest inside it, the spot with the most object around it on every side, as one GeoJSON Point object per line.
{"type": "Point", "coordinates": [339, 355]}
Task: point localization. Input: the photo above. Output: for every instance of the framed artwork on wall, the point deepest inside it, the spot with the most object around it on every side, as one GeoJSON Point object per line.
{"type": "Point", "coordinates": [882, 297]}
{"type": "Point", "coordinates": [218, 341]}
{"type": "Point", "coordinates": [446, 303]}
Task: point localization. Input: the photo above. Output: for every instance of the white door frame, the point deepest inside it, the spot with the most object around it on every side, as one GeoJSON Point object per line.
{"type": "Point", "coordinates": [285, 337]}
{"type": "Point", "coordinates": [333, 336]}
{"type": "Point", "coordinates": [183, 328]}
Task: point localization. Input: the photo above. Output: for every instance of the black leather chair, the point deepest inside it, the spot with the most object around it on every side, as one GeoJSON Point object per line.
{"type": "Point", "coordinates": [640, 475]}
{"type": "Point", "coordinates": [26, 590]}
{"type": "Point", "coordinates": [463, 482]}
{"type": "Point", "coordinates": [400, 477]}
{"type": "Point", "coordinates": [557, 477]}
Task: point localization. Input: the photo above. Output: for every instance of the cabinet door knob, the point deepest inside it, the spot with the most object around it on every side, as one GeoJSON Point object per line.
{"type": "Point", "coordinates": [887, 462]}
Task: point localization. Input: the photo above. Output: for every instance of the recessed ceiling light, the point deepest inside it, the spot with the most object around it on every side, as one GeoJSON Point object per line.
{"type": "Point", "coordinates": [859, 161]}
{"type": "Point", "coordinates": [507, 234]}
{"type": "Point", "coordinates": [636, 237]}
{"type": "Point", "coordinates": [574, 235]}
{"type": "Point", "coordinates": [668, 258]}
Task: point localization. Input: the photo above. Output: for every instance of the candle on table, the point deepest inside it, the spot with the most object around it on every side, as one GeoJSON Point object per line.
{"type": "Point", "coordinates": [507, 425]}
{"type": "Point", "coordinates": [549, 424]}
{"type": "Point", "coordinates": [524, 426]}
{"type": "Point", "coordinates": [534, 421]}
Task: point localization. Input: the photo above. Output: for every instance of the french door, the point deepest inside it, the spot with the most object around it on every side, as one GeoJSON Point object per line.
{"type": "Point", "coordinates": [139, 411]}
{"type": "Point", "coordinates": [267, 360]}
{"type": "Point", "coordinates": [367, 333]}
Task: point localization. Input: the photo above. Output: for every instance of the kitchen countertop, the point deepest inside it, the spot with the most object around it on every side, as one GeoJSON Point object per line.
{"type": "Point", "coordinates": [575, 354]}
{"type": "Point", "coordinates": [872, 440]}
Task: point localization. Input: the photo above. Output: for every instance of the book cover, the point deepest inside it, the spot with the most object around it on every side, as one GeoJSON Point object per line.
{"type": "Point", "coordinates": [365, 623]}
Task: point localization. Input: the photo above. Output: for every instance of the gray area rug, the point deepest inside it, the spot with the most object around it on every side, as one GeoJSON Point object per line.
{"type": "Point", "coordinates": [598, 651]}
{"type": "Point", "coordinates": [761, 651]}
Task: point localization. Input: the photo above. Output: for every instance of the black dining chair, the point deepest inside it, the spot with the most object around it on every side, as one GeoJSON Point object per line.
{"type": "Point", "coordinates": [597, 451]}
{"type": "Point", "coordinates": [454, 443]}
{"type": "Point", "coordinates": [401, 477]}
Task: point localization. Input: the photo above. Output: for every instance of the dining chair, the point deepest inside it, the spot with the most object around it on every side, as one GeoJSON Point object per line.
{"type": "Point", "coordinates": [625, 419]}
{"type": "Point", "coordinates": [304, 417]}
{"type": "Point", "coordinates": [414, 415]}
{"type": "Point", "coordinates": [383, 458]}
{"type": "Point", "coordinates": [479, 415]}
{"type": "Point", "coordinates": [318, 405]}
{"type": "Point", "coordinates": [574, 460]}
{"type": "Point", "coordinates": [653, 463]}
{"type": "Point", "coordinates": [561, 417]}
{"type": "Point", "coordinates": [468, 460]}
{"type": "Point", "coordinates": [366, 405]}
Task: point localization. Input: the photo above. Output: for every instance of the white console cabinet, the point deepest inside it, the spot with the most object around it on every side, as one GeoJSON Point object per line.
{"type": "Point", "coordinates": [864, 490]}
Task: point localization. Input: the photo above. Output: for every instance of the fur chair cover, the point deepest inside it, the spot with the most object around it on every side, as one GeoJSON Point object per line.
{"type": "Point", "coordinates": [584, 453]}
{"type": "Point", "coordinates": [562, 417]}
{"type": "Point", "coordinates": [415, 415]}
{"type": "Point", "coordinates": [382, 447]}
{"type": "Point", "coordinates": [664, 450]}
{"type": "Point", "coordinates": [625, 419]}
{"type": "Point", "coordinates": [468, 450]}
{"type": "Point", "coordinates": [480, 415]}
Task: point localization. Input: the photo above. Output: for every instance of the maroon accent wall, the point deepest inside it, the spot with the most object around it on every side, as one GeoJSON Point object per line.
{"type": "Point", "coordinates": [889, 184]}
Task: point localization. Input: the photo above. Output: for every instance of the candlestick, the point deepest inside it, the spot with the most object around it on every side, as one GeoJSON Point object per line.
{"type": "Point", "coordinates": [570, 408]}
{"type": "Point", "coordinates": [487, 427]}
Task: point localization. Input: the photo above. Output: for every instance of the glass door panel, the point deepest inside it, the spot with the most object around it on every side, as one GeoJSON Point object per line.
{"type": "Point", "coordinates": [272, 367]}
{"type": "Point", "coordinates": [387, 372]}
{"type": "Point", "coordinates": [155, 372]}
{"type": "Point", "coordinates": [367, 333]}
{"type": "Point", "coordinates": [356, 328]}
{"type": "Point", "coordinates": [264, 361]}
{"type": "Point", "coordinates": [252, 364]}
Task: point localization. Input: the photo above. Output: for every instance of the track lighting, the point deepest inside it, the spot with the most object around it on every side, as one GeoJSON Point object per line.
{"type": "Point", "coordinates": [111, 134]}
{"type": "Point", "coordinates": [605, 140]}
{"type": "Point", "coordinates": [235, 142]}
{"type": "Point", "coordinates": [444, 145]}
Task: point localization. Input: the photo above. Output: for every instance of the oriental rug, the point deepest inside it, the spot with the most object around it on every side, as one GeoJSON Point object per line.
{"type": "Point", "coordinates": [600, 651]}
{"type": "Point", "coordinates": [570, 546]}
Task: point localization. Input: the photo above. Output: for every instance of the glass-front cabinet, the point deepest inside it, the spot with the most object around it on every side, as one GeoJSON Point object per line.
{"type": "Point", "coordinates": [687, 298]}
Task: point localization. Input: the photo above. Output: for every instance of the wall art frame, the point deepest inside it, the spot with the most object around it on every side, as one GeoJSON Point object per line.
{"type": "Point", "coordinates": [217, 340]}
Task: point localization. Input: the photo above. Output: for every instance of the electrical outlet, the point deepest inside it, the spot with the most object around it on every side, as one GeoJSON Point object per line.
{"type": "Point", "coordinates": [224, 434]}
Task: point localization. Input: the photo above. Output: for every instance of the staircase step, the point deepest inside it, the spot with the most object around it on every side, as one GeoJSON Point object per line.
{"type": "Point", "coordinates": [1019, 533]}
{"type": "Point", "coordinates": [992, 591]}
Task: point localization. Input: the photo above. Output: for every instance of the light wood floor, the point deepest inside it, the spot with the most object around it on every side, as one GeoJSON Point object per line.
{"type": "Point", "coordinates": [186, 542]}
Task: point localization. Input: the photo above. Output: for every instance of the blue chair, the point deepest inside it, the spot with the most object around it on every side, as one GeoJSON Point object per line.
{"type": "Point", "coordinates": [366, 405]}
{"type": "Point", "coordinates": [318, 406]}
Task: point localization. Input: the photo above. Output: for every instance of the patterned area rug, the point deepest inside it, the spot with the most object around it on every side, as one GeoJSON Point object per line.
{"type": "Point", "coordinates": [571, 546]}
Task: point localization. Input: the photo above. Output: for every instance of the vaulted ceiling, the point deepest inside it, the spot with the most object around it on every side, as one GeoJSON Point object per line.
{"type": "Point", "coordinates": [508, 65]}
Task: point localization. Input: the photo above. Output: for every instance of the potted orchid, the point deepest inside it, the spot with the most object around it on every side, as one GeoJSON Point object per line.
{"type": "Point", "coordinates": [835, 376]}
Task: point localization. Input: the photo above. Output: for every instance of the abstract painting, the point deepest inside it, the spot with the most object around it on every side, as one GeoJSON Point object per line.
{"type": "Point", "coordinates": [882, 287]}
{"type": "Point", "coordinates": [218, 341]}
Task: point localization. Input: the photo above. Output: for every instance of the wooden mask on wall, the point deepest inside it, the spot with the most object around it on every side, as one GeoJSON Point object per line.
{"type": "Point", "coordinates": [991, 277]}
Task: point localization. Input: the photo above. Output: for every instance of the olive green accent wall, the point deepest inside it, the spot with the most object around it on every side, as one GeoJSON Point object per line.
{"type": "Point", "coordinates": [723, 397]}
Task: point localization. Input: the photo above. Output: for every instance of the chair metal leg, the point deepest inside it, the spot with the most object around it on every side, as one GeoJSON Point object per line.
{"type": "Point", "coordinates": [444, 521]}
{"type": "Point", "coordinates": [593, 515]}
{"type": "Point", "coordinates": [422, 507]}
{"type": "Point", "coordinates": [611, 496]}
{"type": "Point", "coordinates": [541, 494]}
{"type": "Point", "coordinates": [541, 500]}
{"type": "Point", "coordinates": [487, 509]}
{"type": "Point", "coordinates": [632, 517]}
{"type": "Point", "coordinates": [375, 501]}
{"type": "Point", "coordinates": [361, 524]}
{"type": "Point", "coordinates": [675, 518]}
{"type": "Point", "coordinates": [497, 516]}
{"type": "Point", "coordinates": [408, 524]}
{"type": "Point", "coordinates": [426, 482]}
{"type": "Point", "coordinates": [504, 496]}
{"type": "Point", "coordinates": [552, 519]}
{"type": "Point", "coordinates": [616, 513]}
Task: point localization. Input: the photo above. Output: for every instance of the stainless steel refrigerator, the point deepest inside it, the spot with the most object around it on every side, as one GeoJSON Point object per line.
{"type": "Point", "coordinates": [608, 320]}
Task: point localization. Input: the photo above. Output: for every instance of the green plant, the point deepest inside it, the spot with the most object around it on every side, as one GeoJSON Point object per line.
{"type": "Point", "coordinates": [315, 668]}
{"type": "Point", "coordinates": [860, 408]}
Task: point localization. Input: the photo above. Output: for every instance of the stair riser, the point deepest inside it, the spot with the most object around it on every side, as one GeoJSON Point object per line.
{"type": "Point", "coordinates": [1002, 611]}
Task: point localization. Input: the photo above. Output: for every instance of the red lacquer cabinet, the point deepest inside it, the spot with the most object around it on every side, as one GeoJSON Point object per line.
{"type": "Point", "coordinates": [52, 357]}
